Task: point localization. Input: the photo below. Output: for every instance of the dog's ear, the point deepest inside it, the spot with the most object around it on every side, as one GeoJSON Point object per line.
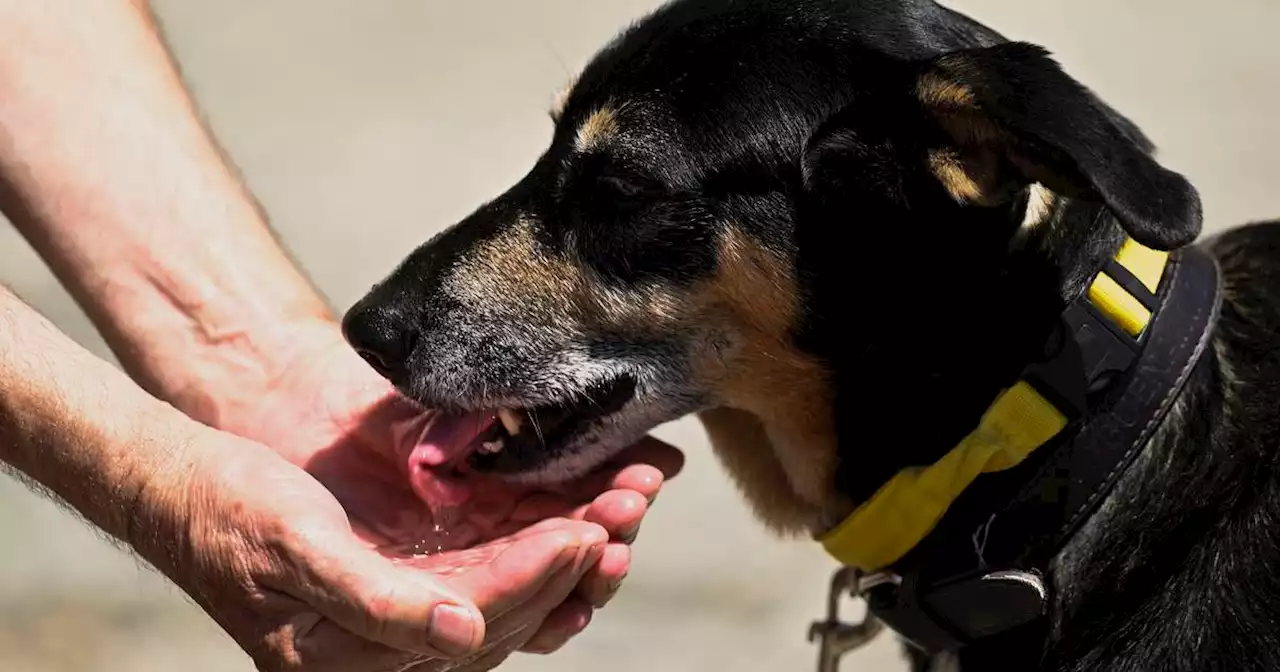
{"type": "Point", "coordinates": [1011, 116]}
{"type": "Point", "coordinates": [1015, 101]}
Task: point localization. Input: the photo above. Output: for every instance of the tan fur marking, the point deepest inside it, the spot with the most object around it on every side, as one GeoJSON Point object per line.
{"type": "Point", "coordinates": [508, 268]}
{"type": "Point", "coordinates": [971, 176]}
{"type": "Point", "coordinates": [762, 373]}
{"type": "Point", "coordinates": [956, 108]}
{"type": "Point", "coordinates": [946, 165]}
{"type": "Point", "coordinates": [743, 446]}
{"type": "Point", "coordinates": [971, 168]}
{"type": "Point", "coordinates": [510, 271]}
{"type": "Point", "coordinates": [935, 90]}
{"type": "Point", "coordinates": [596, 129]}
{"type": "Point", "coordinates": [970, 129]}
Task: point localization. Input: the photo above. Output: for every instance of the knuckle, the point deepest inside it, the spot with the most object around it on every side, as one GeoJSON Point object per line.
{"type": "Point", "coordinates": [377, 603]}
{"type": "Point", "coordinates": [276, 653]}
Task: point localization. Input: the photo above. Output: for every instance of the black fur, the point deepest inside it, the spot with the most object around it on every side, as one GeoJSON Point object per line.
{"type": "Point", "coordinates": [801, 123]}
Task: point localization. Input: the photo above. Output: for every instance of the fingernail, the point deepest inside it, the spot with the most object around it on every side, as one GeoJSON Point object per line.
{"type": "Point", "coordinates": [612, 590]}
{"type": "Point", "coordinates": [452, 630]}
{"type": "Point", "coordinates": [630, 535]}
{"type": "Point", "coordinates": [565, 561]}
{"type": "Point", "coordinates": [593, 557]}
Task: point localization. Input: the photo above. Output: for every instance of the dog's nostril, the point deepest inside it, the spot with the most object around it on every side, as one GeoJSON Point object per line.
{"type": "Point", "coordinates": [390, 361]}
{"type": "Point", "coordinates": [375, 361]}
{"type": "Point", "coordinates": [382, 338]}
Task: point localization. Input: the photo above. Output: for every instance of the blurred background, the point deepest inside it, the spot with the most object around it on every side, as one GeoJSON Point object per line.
{"type": "Point", "coordinates": [365, 127]}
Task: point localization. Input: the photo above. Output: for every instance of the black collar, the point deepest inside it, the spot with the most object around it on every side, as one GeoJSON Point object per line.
{"type": "Point", "coordinates": [981, 570]}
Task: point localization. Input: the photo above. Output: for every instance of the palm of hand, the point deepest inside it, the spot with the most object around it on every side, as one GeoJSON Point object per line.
{"type": "Point", "coordinates": [348, 428]}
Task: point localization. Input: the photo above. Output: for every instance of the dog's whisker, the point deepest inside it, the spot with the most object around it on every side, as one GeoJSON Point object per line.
{"type": "Point", "coordinates": [533, 420]}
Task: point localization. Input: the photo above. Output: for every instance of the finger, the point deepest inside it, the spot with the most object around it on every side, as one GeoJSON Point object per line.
{"type": "Point", "coordinates": [541, 506]}
{"type": "Point", "coordinates": [512, 631]}
{"type": "Point", "coordinates": [326, 647]}
{"type": "Point", "coordinates": [406, 608]}
{"type": "Point", "coordinates": [579, 546]}
{"type": "Point", "coordinates": [490, 658]}
{"type": "Point", "coordinates": [643, 478]}
{"type": "Point", "coordinates": [542, 526]}
{"type": "Point", "coordinates": [563, 624]}
{"type": "Point", "coordinates": [300, 638]}
{"type": "Point", "coordinates": [599, 585]}
{"type": "Point", "coordinates": [329, 648]}
{"type": "Point", "coordinates": [530, 615]}
{"type": "Point", "coordinates": [516, 530]}
{"type": "Point", "coordinates": [395, 605]}
{"type": "Point", "coordinates": [619, 512]}
{"type": "Point", "coordinates": [644, 467]}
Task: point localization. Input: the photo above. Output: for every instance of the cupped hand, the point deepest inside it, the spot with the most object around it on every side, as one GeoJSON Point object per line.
{"type": "Point", "coordinates": [332, 415]}
{"type": "Point", "coordinates": [274, 558]}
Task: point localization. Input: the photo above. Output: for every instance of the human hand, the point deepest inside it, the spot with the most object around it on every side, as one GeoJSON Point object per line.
{"type": "Point", "coordinates": [330, 413]}
{"type": "Point", "coordinates": [274, 558]}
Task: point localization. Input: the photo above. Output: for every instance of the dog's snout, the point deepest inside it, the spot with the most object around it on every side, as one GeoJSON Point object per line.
{"type": "Point", "coordinates": [383, 336]}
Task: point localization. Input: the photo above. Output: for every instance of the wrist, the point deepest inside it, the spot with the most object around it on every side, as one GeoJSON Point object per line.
{"type": "Point", "coordinates": [301, 394]}
{"type": "Point", "coordinates": [78, 427]}
{"type": "Point", "coordinates": [227, 317]}
{"type": "Point", "coordinates": [154, 505]}
{"type": "Point", "coordinates": [218, 371]}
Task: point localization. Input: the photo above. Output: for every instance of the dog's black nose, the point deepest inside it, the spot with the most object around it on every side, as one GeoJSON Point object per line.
{"type": "Point", "coordinates": [383, 337]}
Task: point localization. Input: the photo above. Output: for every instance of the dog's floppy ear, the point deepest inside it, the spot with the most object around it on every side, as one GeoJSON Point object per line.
{"type": "Point", "coordinates": [1010, 116]}
{"type": "Point", "coordinates": [1015, 102]}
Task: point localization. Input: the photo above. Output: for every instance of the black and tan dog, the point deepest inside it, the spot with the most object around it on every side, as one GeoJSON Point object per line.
{"type": "Point", "coordinates": [836, 230]}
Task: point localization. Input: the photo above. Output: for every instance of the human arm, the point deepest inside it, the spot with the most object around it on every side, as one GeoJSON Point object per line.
{"type": "Point", "coordinates": [255, 541]}
{"type": "Point", "coordinates": [106, 169]}
{"type": "Point", "coordinates": [109, 173]}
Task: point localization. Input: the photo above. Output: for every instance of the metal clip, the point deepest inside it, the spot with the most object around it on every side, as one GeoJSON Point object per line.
{"type": "Point", "coordinates": [838, 638]}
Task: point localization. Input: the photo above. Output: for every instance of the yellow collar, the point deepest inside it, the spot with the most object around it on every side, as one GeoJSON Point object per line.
{"type": "Point", "coordinates": [903, 511]}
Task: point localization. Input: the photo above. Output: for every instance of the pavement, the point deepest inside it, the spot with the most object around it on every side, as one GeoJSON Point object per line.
{"type": "Point", "coordinates": [366, 127]}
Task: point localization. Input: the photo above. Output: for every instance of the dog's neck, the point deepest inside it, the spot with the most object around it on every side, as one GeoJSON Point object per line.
{"type": "Point", "coordinates": [1032, 534]}
{"type": "Point", "coordinates": [1060, 244]}
{"type": "Point", "coordinates": [806, 478]}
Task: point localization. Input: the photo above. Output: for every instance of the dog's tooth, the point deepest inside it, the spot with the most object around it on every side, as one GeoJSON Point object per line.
{"type": "Point", "coordinates": [511, 420]}
{"type": "Point", "coordinates": [491, 447]}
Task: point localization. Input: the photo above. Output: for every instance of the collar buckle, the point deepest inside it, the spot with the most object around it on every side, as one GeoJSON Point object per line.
{"type": "Point", "coordinates": [1085, 354]}
{"type": "Point", "coordinates": [947, 615]}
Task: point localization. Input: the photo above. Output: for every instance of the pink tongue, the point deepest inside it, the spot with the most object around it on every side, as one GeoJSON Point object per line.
{"type": "Point", "coordinates": [428, 446]}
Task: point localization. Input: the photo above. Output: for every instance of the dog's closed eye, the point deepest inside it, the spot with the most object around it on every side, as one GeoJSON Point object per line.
{"type": "Point", "coordinates": [622, 187]}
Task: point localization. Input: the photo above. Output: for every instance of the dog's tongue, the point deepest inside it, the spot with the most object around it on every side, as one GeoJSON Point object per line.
{"type": "Point", "coordinates": [428, 446]}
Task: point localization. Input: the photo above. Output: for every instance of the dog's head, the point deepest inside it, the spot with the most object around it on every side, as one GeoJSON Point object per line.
{"type": "Point", "coordinates": [737, 201]}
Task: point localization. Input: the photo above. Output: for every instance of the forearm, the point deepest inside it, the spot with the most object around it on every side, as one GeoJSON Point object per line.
{"type": "Point", "coordinates": [77, 426]}
{"type": "Point", "coordinates": [106, 169]}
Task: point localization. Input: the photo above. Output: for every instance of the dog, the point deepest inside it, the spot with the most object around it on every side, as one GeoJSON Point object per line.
{"type": "Point", "coordinates": [834, 230]}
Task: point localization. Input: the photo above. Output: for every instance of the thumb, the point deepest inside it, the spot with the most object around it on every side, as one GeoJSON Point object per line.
{"type": "Point", "coordinates": [396, 605]}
